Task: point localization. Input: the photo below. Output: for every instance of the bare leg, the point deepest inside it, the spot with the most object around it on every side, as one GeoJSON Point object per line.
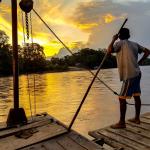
{"type": "Point", "coordinates": [137, 110]}
{"type": "Point", "coordinates": [123, 107]}
{"type": "Point", "coordinates": [137, 107]}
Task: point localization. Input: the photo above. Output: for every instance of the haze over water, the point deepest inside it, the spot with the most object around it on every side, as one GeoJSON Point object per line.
{"type": "Point", "coordinates": [59, 94]}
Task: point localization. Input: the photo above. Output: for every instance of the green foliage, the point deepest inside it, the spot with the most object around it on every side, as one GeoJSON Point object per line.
{"type": "Point", "coordinates": [5, 55]}
{"type": "Point", "coordinates": [32, 58]}
{"type": "Point", "coordinates": [89, 58]}
{"type": "Point", "coordinates": [56, 64]}
{"type": "Point", "coordinates": [3, 39]}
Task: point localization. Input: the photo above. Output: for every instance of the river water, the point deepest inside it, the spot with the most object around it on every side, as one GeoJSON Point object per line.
{"type": "Point", "coordinates": [59, 94]}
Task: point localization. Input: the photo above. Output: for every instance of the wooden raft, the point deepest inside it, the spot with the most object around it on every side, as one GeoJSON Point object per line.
{"type": "Point", "coordinates": [44, 133]}
{"type": "Point", "coordinates": [134, 137]}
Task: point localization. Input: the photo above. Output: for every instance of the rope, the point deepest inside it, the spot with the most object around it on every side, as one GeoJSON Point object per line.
{"type": "Point", "coordinates": [31, 32]}
{"type": "Point", "coordinates": [27, 25]}
{"type": "Point", "coordinates": [114, 92]}
{"type": "Point", "coordinates": [72, 52]}
{"type": "Point", "coordinates": [27, 73]}
{"type": "Point", "coordinates": [34, 95]}
{"type": "Point", "coordinates": [29, 96]}
{"type": "Point", "coordinates": [34, 79]}
{"type": "Point", "coordinates": [95, 76]}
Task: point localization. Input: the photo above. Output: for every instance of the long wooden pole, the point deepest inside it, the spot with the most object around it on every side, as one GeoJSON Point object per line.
{"type": "Point", "coordinates": [89, 87]}
{"type": "Point", "coordinates": [15, 53]}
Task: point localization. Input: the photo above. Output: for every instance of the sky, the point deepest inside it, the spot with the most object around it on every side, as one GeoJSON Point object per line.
{"type": "Point", "coordinates": [81, 23]}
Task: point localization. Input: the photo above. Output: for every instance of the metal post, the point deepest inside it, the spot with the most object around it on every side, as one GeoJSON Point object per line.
{"type": "Point", "coordinates": [15, 53]}
{"type": "Point", "coordinates": [16, 115]}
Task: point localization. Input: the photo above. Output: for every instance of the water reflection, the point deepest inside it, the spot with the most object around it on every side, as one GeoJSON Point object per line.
{"type": "Point", "coordinates": [59, 94]}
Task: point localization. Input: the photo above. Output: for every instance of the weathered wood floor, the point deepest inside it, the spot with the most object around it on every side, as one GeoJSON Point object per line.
{"type": "Point", "coordinates": [134, 137]}
{"type": "Point", "coordinates": [44, 133]}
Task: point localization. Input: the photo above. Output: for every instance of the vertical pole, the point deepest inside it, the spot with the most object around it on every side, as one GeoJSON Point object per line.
{"type": "Point", "coordinates": [16, 115]}
{"type": "Point", "coordinates": [15, 53]}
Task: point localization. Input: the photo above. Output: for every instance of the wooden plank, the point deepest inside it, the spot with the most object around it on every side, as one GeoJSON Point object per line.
{"type": "Point", "coordinates": [111, 141]}
{"type": "Point", "coordinates": [147, 117]}
{"type": "Point", "coordinates": [83, 141]}
{"type": "Point", "coordinates": [69, 144]}
{"type": "Point", "coordinates": [39, 117]}
{"type": "Point", "coordinates": [75, 140]}
{"type": "Point", "coordinates": [145, 120]}
{"type": "Point", "coordinates": [53, 145]}
{"type": "Point", "coordinates": [45, 132]}
{"type": "Point", "coordinates": [47, 145]}
{"type": "Point", "coordinates": [135, 136]}
{"type": "Point", "coordinates": [131, 136]}
{"type": "Point", "coordinates": [141, 125]}
{"type": "Point", "coordinates": [11, 131]}
{"type": "Point", "coordinates": [146, 114]}
{"type": "Point", "coordinates": [123, 140]}
{"type": "Point", "coordinates": [138, 130]}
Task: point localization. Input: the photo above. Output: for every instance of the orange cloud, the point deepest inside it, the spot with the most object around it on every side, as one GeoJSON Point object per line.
{"type": "Point", "coordinates": [50, 12]}
{"type": "Point", "coordinates": [5, 8]}
{"type": "Point", "coordinates": [5, 26]}
{"type": "Point", "coordinates": [108, 18]}
{"type": "Point", "coordinates": [87, 26]}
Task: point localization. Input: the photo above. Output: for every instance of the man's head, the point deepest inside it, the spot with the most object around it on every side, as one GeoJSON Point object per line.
{"type": "Point", "coordinates": [124, 34]}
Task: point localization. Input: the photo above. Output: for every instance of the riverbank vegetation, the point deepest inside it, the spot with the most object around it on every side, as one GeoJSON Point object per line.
{"type": "Point", "coordinates": [32, 59]}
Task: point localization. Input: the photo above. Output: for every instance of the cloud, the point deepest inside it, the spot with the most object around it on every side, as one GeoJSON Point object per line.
{"type": "Point", "coordinates": [107, 16]}
{"type": "Point", "coordinates": [89, 15]}
{"type": "Point", "coordinates": [81, 23]}
{"type": "Point", "coordinates": [5, 25]}
{"type": "Point", "coordinates": [5, 8]}
{"type": "Point", "coordinates": [128, 1]}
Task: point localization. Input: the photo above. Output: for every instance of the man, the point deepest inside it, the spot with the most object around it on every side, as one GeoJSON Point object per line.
{"type": "Point", "coordinates": [129, 71]}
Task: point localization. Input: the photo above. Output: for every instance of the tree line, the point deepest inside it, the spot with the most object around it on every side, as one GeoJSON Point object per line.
{"type": "Point", "coordinates": [32, 58]}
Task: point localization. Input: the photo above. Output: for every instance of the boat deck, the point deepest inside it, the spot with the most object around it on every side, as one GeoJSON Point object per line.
{"type": "Point", "coordinates": [134, 137]}
{"type": "Point", "coordinates": [44, 133]}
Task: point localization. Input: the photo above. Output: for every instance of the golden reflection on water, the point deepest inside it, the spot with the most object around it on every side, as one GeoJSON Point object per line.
{"type": "Point", "coordinates": [59, 94]}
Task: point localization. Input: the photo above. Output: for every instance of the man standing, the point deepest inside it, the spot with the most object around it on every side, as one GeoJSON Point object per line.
{"type": "Point", "coordinates": [129, 71]}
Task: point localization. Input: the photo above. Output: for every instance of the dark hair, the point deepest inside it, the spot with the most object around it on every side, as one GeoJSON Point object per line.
{"type": "Point", "coordinates": [124, 34]}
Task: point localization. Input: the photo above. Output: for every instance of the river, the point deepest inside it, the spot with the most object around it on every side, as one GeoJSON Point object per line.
{"type": "Point", "coordinates": [59, 94]}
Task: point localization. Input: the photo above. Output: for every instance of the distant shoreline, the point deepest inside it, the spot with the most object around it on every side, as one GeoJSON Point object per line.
{"type": "Point", "coordinates": [57, 71]}
{"type": "Point", "coordinates": [48, 71]}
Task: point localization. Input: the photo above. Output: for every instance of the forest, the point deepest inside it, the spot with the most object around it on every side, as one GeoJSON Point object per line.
{"type": "Point", "coordinates": [33, 60]}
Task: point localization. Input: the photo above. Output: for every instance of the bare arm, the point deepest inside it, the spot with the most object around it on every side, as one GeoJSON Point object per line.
{"type": "Point", "coordinates": [110, 47]}
{"type": "Point", "coordinates": [146, 54]}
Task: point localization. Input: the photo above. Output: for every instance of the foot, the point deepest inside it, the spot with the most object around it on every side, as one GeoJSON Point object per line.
{"type": "Point", "coordinates": [133, 120]}
{"type": "Point", "coordinates": [118, 126]}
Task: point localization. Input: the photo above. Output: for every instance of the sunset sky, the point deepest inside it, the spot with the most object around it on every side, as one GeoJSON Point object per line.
{"type": "Point", "coordinates": [82, 23]}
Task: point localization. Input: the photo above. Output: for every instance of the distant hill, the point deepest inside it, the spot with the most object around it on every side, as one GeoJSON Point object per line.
{"type": "Point", "coordinates": [62, 52]}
